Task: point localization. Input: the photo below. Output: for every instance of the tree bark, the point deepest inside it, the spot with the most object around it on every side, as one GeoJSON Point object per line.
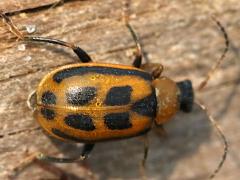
{"type": "Point", "coordinates": [178, 34]}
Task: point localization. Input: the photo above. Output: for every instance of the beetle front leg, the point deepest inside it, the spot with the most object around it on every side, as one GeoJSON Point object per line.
{"type": "Point", "coordinates": [87, 149]}
{"type": "Point", "coordinates": [160, 130]}
{"type": "Point", "coordinates": [154, 69]}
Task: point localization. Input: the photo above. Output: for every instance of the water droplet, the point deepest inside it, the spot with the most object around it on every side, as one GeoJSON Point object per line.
{"type": "Point", "coordinates": [21, 47]}
{"type": "Point", "coordinates": [28, 58]}
{"type": "Point", "coordinates": [31, 28]}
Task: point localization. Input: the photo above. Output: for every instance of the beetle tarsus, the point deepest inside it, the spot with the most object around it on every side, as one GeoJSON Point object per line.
{"type": "Point", "coordinates": [87, 149]}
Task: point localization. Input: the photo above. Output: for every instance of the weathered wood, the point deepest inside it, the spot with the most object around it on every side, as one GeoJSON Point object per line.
{"type": "Point", "coordinates": [13, 6]}
{"type": "Point", "coordinates": [178, 34]}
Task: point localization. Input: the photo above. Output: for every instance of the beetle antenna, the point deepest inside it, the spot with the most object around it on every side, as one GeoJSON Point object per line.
{"type": "Point", "coordinates": [222, 57]}
{"type": "Point", "coordinates": [221, 135]}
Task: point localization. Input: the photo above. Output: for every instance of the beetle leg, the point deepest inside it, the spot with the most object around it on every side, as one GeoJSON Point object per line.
{"type": "Point", "coordinates": [154, 68]}
{"type": "Point", "coordinates": [37, 158]}
{"type": "Point", "coordinates": [138, 57]}
{"type": "Point", "coordinates": [160, 130]}
{"type": "Point", "coordinates": [83, 56]}
{"type": "Point", "coordinates": [143, 162]}
{"type": "Point", "coordinates": [43, 157]}
{"type": "Point", "coordinates": [87, 149]}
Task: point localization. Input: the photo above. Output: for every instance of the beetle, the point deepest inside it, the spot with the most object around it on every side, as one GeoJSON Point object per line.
{"type": "Point", "coordinates": [90, 102]}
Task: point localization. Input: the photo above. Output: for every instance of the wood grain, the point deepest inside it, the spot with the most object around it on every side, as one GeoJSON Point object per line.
{"type": "Point", "coordinates": [178, 34]}
{"type": "Point", "coordinates": [13, 6]}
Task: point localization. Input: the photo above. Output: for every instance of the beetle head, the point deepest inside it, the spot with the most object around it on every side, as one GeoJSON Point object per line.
{"type": "Point", "coordinates": [186, 97]}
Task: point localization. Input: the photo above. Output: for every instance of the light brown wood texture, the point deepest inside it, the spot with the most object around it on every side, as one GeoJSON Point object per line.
{"type": "Point", "coordinates": [178, 34]}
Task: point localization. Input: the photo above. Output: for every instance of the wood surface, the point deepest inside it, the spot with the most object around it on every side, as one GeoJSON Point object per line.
{"type": "Point", "coordinates": [178, 34]}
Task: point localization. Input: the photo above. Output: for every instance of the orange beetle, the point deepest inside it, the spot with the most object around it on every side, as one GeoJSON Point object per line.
{"type": "Point", "coordinates": [94, 102]}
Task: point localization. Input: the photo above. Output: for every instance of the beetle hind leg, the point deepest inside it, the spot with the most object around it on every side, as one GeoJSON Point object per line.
{"type": "Point", "coordinates": [82, 55]}
{"type": "Point", "coordinates": [38, 156]}
{"type": "Point", "coordinates": [35, 157]}
{"type": "Point", "coordinates": [87, 149]}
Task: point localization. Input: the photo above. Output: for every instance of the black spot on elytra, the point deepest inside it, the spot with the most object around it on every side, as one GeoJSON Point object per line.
{"type": "Point", "coordinates": [117, 96]}
{"type": "Point", "coordinates": [78, 71]}
{"type": "Point", "coordinates": [48, 97]}
{"type": "Point", "coordinates": [79, 96]}
{"type": "Point", "coordinates": [80, 121]}
{"type": "Point", "coordinates": [49, 114]}
{"type": "Point", "coordinates": [117, 121]}
{"type": "Point", "coordinates": [146, 106]}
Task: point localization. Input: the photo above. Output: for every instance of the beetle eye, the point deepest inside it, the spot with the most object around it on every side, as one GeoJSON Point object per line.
{"type": "Point", "coordinates": [186, 97]}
